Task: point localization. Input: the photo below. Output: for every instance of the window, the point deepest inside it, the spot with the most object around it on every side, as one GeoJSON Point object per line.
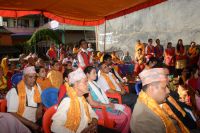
{"type": "Point", "coordinates": [23, 22]}
{"type": "Point", "coordinates": [15, 23]}
{"type": "Point", "coordinates": [5, 23]}
{"type": "Point", "coordinates": [36, 23]}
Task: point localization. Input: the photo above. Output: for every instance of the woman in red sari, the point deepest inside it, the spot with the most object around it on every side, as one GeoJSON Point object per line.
{"type": "Point", "coordinates": [193, 55]}
{"type": "Point", "coordinates": [180, 57]}
{"type": "Point", "coordinates": [169, 57]}
{"type": "Point", "coordinates": [139, 66]}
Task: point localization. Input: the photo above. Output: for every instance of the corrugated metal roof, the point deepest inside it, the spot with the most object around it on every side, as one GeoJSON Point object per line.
{"type": "Point", "coordinates": [67, 27]}
{"type": "Point", "coordinates": [71, 27]}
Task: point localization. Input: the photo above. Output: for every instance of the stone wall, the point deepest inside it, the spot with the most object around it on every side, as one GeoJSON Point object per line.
{"type": "Point", "coordinates": [167, 21]}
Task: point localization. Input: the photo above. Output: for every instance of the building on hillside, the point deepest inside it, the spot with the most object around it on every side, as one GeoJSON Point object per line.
{"type": "Point", "coordinates": [23, 27]}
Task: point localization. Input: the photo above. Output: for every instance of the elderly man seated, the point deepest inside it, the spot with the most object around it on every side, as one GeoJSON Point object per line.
{"type": "Point", "coordinates": [24, 101]}
{"type": "Point", "coordinates": [74, 114]}
{"type": "Point", "coordinates": [109, 83]}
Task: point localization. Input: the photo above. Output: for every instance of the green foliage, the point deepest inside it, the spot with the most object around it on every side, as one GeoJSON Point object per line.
{"type": "Point", "coordinates": [43, 34]}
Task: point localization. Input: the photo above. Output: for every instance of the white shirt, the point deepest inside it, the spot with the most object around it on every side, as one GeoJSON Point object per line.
{"type": "Point", "coordinates": [60, 117]}
{"type": "Point", "coordinates": [13, 103]}
{"type": "Point", "coordinates": [104, 84]}
{"type": "Point", "coordinates": [81, 60]}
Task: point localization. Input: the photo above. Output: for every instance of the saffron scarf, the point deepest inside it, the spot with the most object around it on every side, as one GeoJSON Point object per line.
{"type": "Point", "coordinates": [56, 78]}
{"type": "Point", "coordinates": [175, 104]}
{"type": "Point", "coordinates": [152, 105]}
{"type": "Point", "coordinates": [22, 96]}
{"type": "Point", "coordinates": [171, 113]}
{"type": "Point", "coordinates": [110, 83]}
{"type": "Point", "coordinates": [193, 51]}
{"type": "Point", "coordinates": [44, 83]}
{"type": "Point", "coordinates": [74, 112]}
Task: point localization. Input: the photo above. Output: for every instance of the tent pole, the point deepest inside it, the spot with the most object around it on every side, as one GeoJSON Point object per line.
{"type": "Point", "coordinates": [104, 47]}
{"type": "Point", "coordinates": [96, 34]}
{"type": "Point", "coordinates": [84, 35]}
{"type": "Point", "coordinates": [63, 37]}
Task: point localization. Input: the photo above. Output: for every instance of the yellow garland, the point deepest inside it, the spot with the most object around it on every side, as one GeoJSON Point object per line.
{"type": "Point", "coordinates": [44, 83]}
{"type": "Point", "coordinates": [74, 112]}
{"type": "Point", "coordinates": [152, 105]}
{"type": "Point", "coordinates": [75, 50]}
{"type": "Point", "coordinates": [175, 104]}
{"type": "Point", "coordinates": [171, 113]}
{"type": "Point", "coordinates": [193, 51]}
{"type": "Point", "coordinates": [111, 85]}
{"type": "Point", "coordinates": [22, 96]}
{"type": "Point", "coordinates": [4, 65]}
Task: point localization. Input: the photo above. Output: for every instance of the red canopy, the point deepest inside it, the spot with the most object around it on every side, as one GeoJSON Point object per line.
{"type": "Point", "coordinates": [76, 12]}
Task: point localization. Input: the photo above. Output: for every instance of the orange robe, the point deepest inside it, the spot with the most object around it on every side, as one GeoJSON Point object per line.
{"type": "Point", "coordinates": [139, 46]}
{"type": "Point", "coordinates": [44, 83]}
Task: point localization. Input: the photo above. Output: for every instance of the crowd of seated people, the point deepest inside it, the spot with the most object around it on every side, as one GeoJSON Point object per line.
{"type": "Point", "coordinates": [90, 83]}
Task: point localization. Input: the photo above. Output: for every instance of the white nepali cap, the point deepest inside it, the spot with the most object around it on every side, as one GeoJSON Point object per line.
{"type": "Point", "coordinates": [153, 75]}
{"type": "Point", "coordinates": [76, 75]}
{"type": "Point", "coordinates": [29, 70]}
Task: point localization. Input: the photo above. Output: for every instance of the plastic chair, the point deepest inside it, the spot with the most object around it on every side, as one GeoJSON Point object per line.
{"type": "Point", "coordinates": [114, 96]}
{"type": "Point", "coordinates": [50, 97]}
{"type": "Point", "coordinates": [16, 78]}
{"type": "Point", "coordinates": [126, 88]}
{"type": "Point", "coordinates": [3, 105]}
{"type": "Point", "coordinates": [105, 121]}
{"type": "Point", "coordinates": [46, 120]}
{"type": "Point", "coordinates": [138, 87]}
